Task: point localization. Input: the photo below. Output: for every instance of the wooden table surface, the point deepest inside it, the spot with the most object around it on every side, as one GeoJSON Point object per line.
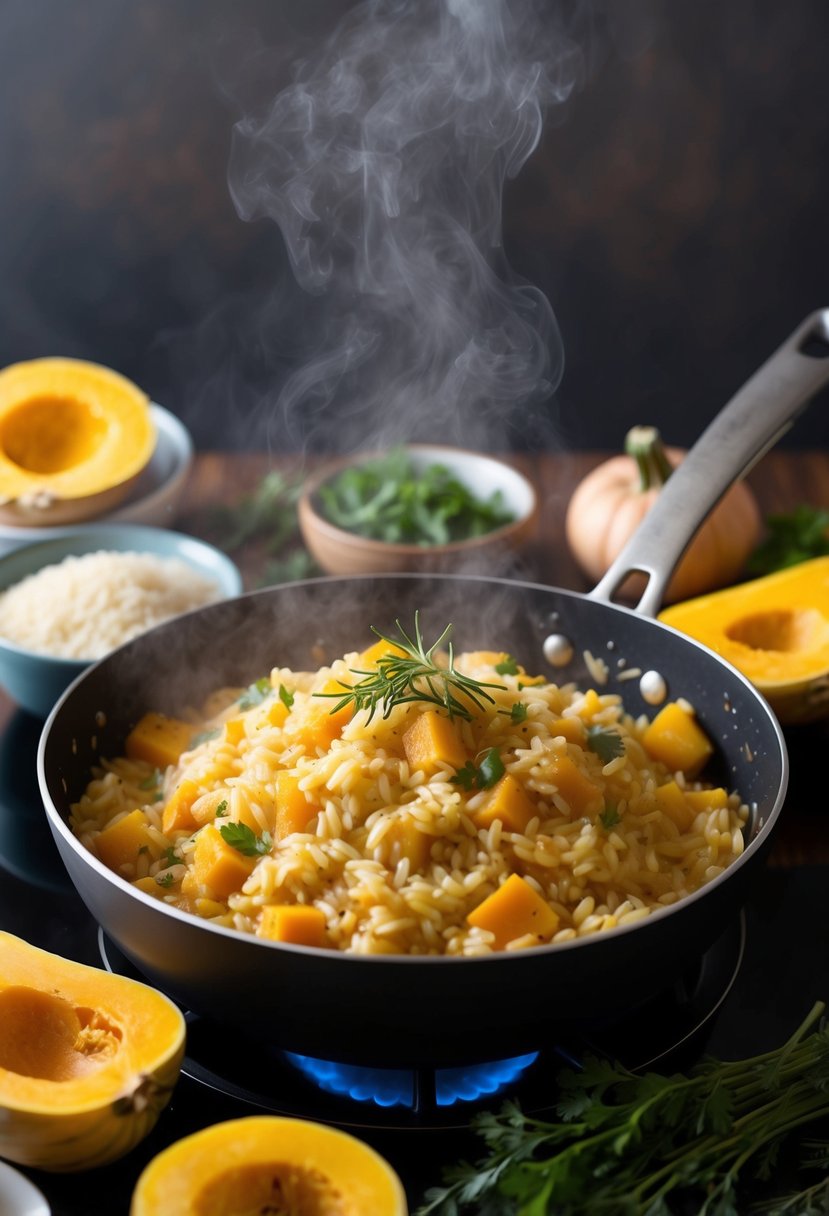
{"type": "Point", "coordinates": [781, 481]}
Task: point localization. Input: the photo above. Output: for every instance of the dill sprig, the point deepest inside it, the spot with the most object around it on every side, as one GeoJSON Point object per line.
{"type": "Point", "coordinates": [415, 675]}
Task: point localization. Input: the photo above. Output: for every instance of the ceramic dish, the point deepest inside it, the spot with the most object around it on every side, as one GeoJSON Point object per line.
{"type": "Point", "coordinates": [18, 1197]}
{"type": "Point", "coordinates": [152, 500]}
{"type": "Point", "coordinates": [342, 552]}
{"type": "Point", "coordinates": [35, 680]}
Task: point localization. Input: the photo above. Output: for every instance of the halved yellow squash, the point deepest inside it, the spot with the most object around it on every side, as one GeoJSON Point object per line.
{"type": "Point", "coordinates": [266, 1163]}
{"type": "Point", "coordinates": [73, 437]}
{"type": "Point", "coordinates": [87, 1059]}
{"type": "Point", "coordinates": [775, 629]}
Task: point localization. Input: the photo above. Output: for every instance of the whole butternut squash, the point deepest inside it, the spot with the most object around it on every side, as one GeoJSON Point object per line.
{"type": "Point", "coordinates": [613, 499]}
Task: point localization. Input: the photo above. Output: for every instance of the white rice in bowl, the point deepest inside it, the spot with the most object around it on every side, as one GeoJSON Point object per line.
{"type": "Point", "coordinates": [83, 607]}
{"type": "Point", "coordinates": [397, 857]}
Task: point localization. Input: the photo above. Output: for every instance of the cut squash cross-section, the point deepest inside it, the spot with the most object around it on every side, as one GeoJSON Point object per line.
{"type": "Point", "coordinates": [73, 438]}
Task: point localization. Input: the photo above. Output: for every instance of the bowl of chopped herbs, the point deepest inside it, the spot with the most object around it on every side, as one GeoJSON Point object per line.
{"type": "Point", "coordinates": [416, 507]}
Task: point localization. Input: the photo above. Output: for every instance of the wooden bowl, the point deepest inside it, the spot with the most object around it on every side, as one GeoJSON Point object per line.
{"type": "Point", "coordinates": [339, 551]}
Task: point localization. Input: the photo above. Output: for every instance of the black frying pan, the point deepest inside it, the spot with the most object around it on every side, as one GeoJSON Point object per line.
{"type": "Point", "coordinates": [406, 1010]}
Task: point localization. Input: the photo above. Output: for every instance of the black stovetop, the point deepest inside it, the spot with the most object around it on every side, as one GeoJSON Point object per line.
{"type": "Point", "coordinates": [782, 946]}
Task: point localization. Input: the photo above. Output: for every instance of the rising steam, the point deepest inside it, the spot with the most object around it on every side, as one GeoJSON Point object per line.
{"type": "Point", "coordinates": [384, 164]}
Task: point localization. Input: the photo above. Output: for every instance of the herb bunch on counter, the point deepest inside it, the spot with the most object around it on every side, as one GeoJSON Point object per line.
{"type": "Point", "coordinates": [654, 1145]}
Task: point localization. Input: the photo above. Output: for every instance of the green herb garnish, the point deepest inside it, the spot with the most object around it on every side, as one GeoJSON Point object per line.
{"type": "Point", "coordinates": [171, 857]}
{"type": "Point", "coordinates": [166, 879]}
{"type": "Point", "coordinates": [483, 775]}
{"type": "Point", "coordinates": [605, 742]}
{"type": "Point", "coordinates": [790, 539]}
{"type": "Point", "coordinates": [388, 499]}
{"type": "Point", "coordinates": [628, 1145]}
{"type": "Point", "coordinates": [518, 712]}
{"type": "Point", "coordinates": [414, 676]}
{"type": "Point", "coordinates": [286, 696]}
{"type": "Point", "coordinates": [610, 817]}
{"type": "Point", "coordinates": [240, 837]}
{"type": "Point", "coordinates": [268, 514]}
{"type": "Point", "coordinates": [255, 693]}
{"type": "Point", "coordinates": [221, 809]}
{"type": "Point", "coordinates": [507, 666]}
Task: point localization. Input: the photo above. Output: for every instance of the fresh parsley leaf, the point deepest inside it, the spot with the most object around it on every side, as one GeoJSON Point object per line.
{"type": "Point", "coordinates": [507, 666]}
{"type": "Point", "coordinates": [610, 817]}
{"type": "Point", "coordinates": [240, 837]}
{"type": "Point", "coordinates": [171, 857]}
{"type": "Point", "coordinates": [466, 777]}
{"type": "Point", "coordinates": [286, 696]}
{"type": "Point", "coordinates": [255, 693]}
{"type": "Point", "coordinates": [221, 809]}
{"type": "Point", "coordinates": [518, 712]}
{"type": "Point", "coordinates": [166, 879]}
{"type": "Point", "coordinates": [491, 769]}
{"type": "Point", "coordinates": [605, 742]}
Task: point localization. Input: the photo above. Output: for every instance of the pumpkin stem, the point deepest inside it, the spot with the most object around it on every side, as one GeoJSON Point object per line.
{"type": "Point", "coordinates": [644, 444]}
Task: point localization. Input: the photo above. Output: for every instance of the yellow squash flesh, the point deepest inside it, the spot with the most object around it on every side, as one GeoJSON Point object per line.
{"type": "Point", "coordinates": [73, 438]}
{"type": "Point", "coordinates": [775, 630]}
{"type": "Point", "coordinates": [268, 1164]}
{"type": "Point", "coordinates": [87, 1059]}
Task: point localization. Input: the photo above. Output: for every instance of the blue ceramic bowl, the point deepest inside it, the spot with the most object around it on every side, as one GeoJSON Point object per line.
{"type": "Point", "coordinates": [36, 681]}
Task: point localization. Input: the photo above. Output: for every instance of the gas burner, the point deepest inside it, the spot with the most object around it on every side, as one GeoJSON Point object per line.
{"type": "Point", "coordinates": [668, 1030]}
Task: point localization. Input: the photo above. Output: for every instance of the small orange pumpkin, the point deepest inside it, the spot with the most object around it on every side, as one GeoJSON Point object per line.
{"type": "Point", "coordinates": [613, 499]}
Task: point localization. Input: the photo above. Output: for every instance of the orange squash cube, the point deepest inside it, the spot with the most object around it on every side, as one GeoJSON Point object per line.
{"type": "Point", "coordinates": [509, 802]}
{"type": "Point", "coordinates": [323, 724]}
{"type": "Point", "coordinates": [405, 841]}
{"type": "Point", "coordinates": [672, 802]}
{"type": "Point", "coordinates": [177, 814]}
{"type": "Point", "coordinates": [158, 739]}
{"type": "Point", "coordinates": [572, 728]}
{"type": "Point", "coordinates": [296, 923]}
{"type": "Point", "coordinates": [121, 843]}
{"type": "Point", "coordinates": [578, 791]}
{"type": "Point", "coordinates": [293, 810]}
{"type": "Point", "coordinates": [368, 659]}
{"type": "Point", "coordinates": [675, 738]}
{"type": "Point", "coordinates": [149, 886]}
{"type": "Point", "coordinates": [277, 712]}
{"type": "Point", "coordinates": [432, 740]}
{"type": "Point", "coordinates": [707, 800]}
{"type": "Point", "coordinates": [235, 731]}
{"type": "Point", "coordinates": [514, 910]}
{"type": "Point", "coordinates": [219, 866]}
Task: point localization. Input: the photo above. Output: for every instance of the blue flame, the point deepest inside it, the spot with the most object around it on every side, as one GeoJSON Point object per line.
{"type": "Point", "coordinates": [396, 1086]}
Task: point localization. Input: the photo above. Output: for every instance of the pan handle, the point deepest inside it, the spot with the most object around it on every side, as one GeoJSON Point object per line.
{"type": "Point", "coordinates": [744, 430]}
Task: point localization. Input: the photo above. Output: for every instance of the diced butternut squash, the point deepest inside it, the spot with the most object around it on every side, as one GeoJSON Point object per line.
{"type": "Point", "coordinates": [514, 910]}
{"type": "Point", "coordinates": [149, 886]}
{"type": "Point", "coordinates": [158, 739]}
{"type": "Point", "coordinates": [572, 728]}
{"type": "Point", "coordinates": [590, 705]}
{"type": "Point", "coordinates": [177, 814]}
{"type": "Point", "coordinates": [577, 790]}
{"type": "Point", "coordinates": [675, 738]}
{"type": "Point", "coordinates": [509, 802]}
{"type": "Point", "coordinates": [432, 740]}
{"type": "Point", "coordinates": [707, 800]}
{"type": "Point", "coordinates": [277, 712]}
{"type": "Point", "coordinates": [367, 661]}
{"type": "Point", "coordinates": [296, 923]}
{"type": "Point", "coordinates": [121, 843]}
{"type": "Point", "coordinates": [672, 802]}
{"type": "Point", "coordinates": [403, 840]}
{"type": "Point", "coordinates": [218, 865]}
{"type": "Point", "coordinates": [235, 730]}
{"type": "Point", "coordinates": [323, 723]}
{"type": "Point", "coordinates": [293, 810]}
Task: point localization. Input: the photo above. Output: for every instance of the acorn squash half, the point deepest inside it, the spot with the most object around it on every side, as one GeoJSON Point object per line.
{"type": "Point", "coordinates": [73, 437]}
{"type": "Point", "coordinates": [775, 630]}
{"type": "Point", "coordinates": [267, 1163]}
{"type": "Point", "coordinates": [87, 1059]}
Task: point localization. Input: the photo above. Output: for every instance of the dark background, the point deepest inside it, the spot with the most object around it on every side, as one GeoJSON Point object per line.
{"type": "Point", "coordinates": [674, 214]}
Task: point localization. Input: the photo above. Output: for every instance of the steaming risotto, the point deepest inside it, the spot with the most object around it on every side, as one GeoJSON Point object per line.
{"type": "Point", "coordinates": [531, 813]}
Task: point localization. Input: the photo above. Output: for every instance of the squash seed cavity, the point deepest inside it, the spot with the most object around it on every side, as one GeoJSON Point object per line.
{"type": "Point", "coordinates": [782, 630]}
{"type": "Point", "coordinates": [48, 1038]}
{"type": "Point", "coordinates": [271, 1189]}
